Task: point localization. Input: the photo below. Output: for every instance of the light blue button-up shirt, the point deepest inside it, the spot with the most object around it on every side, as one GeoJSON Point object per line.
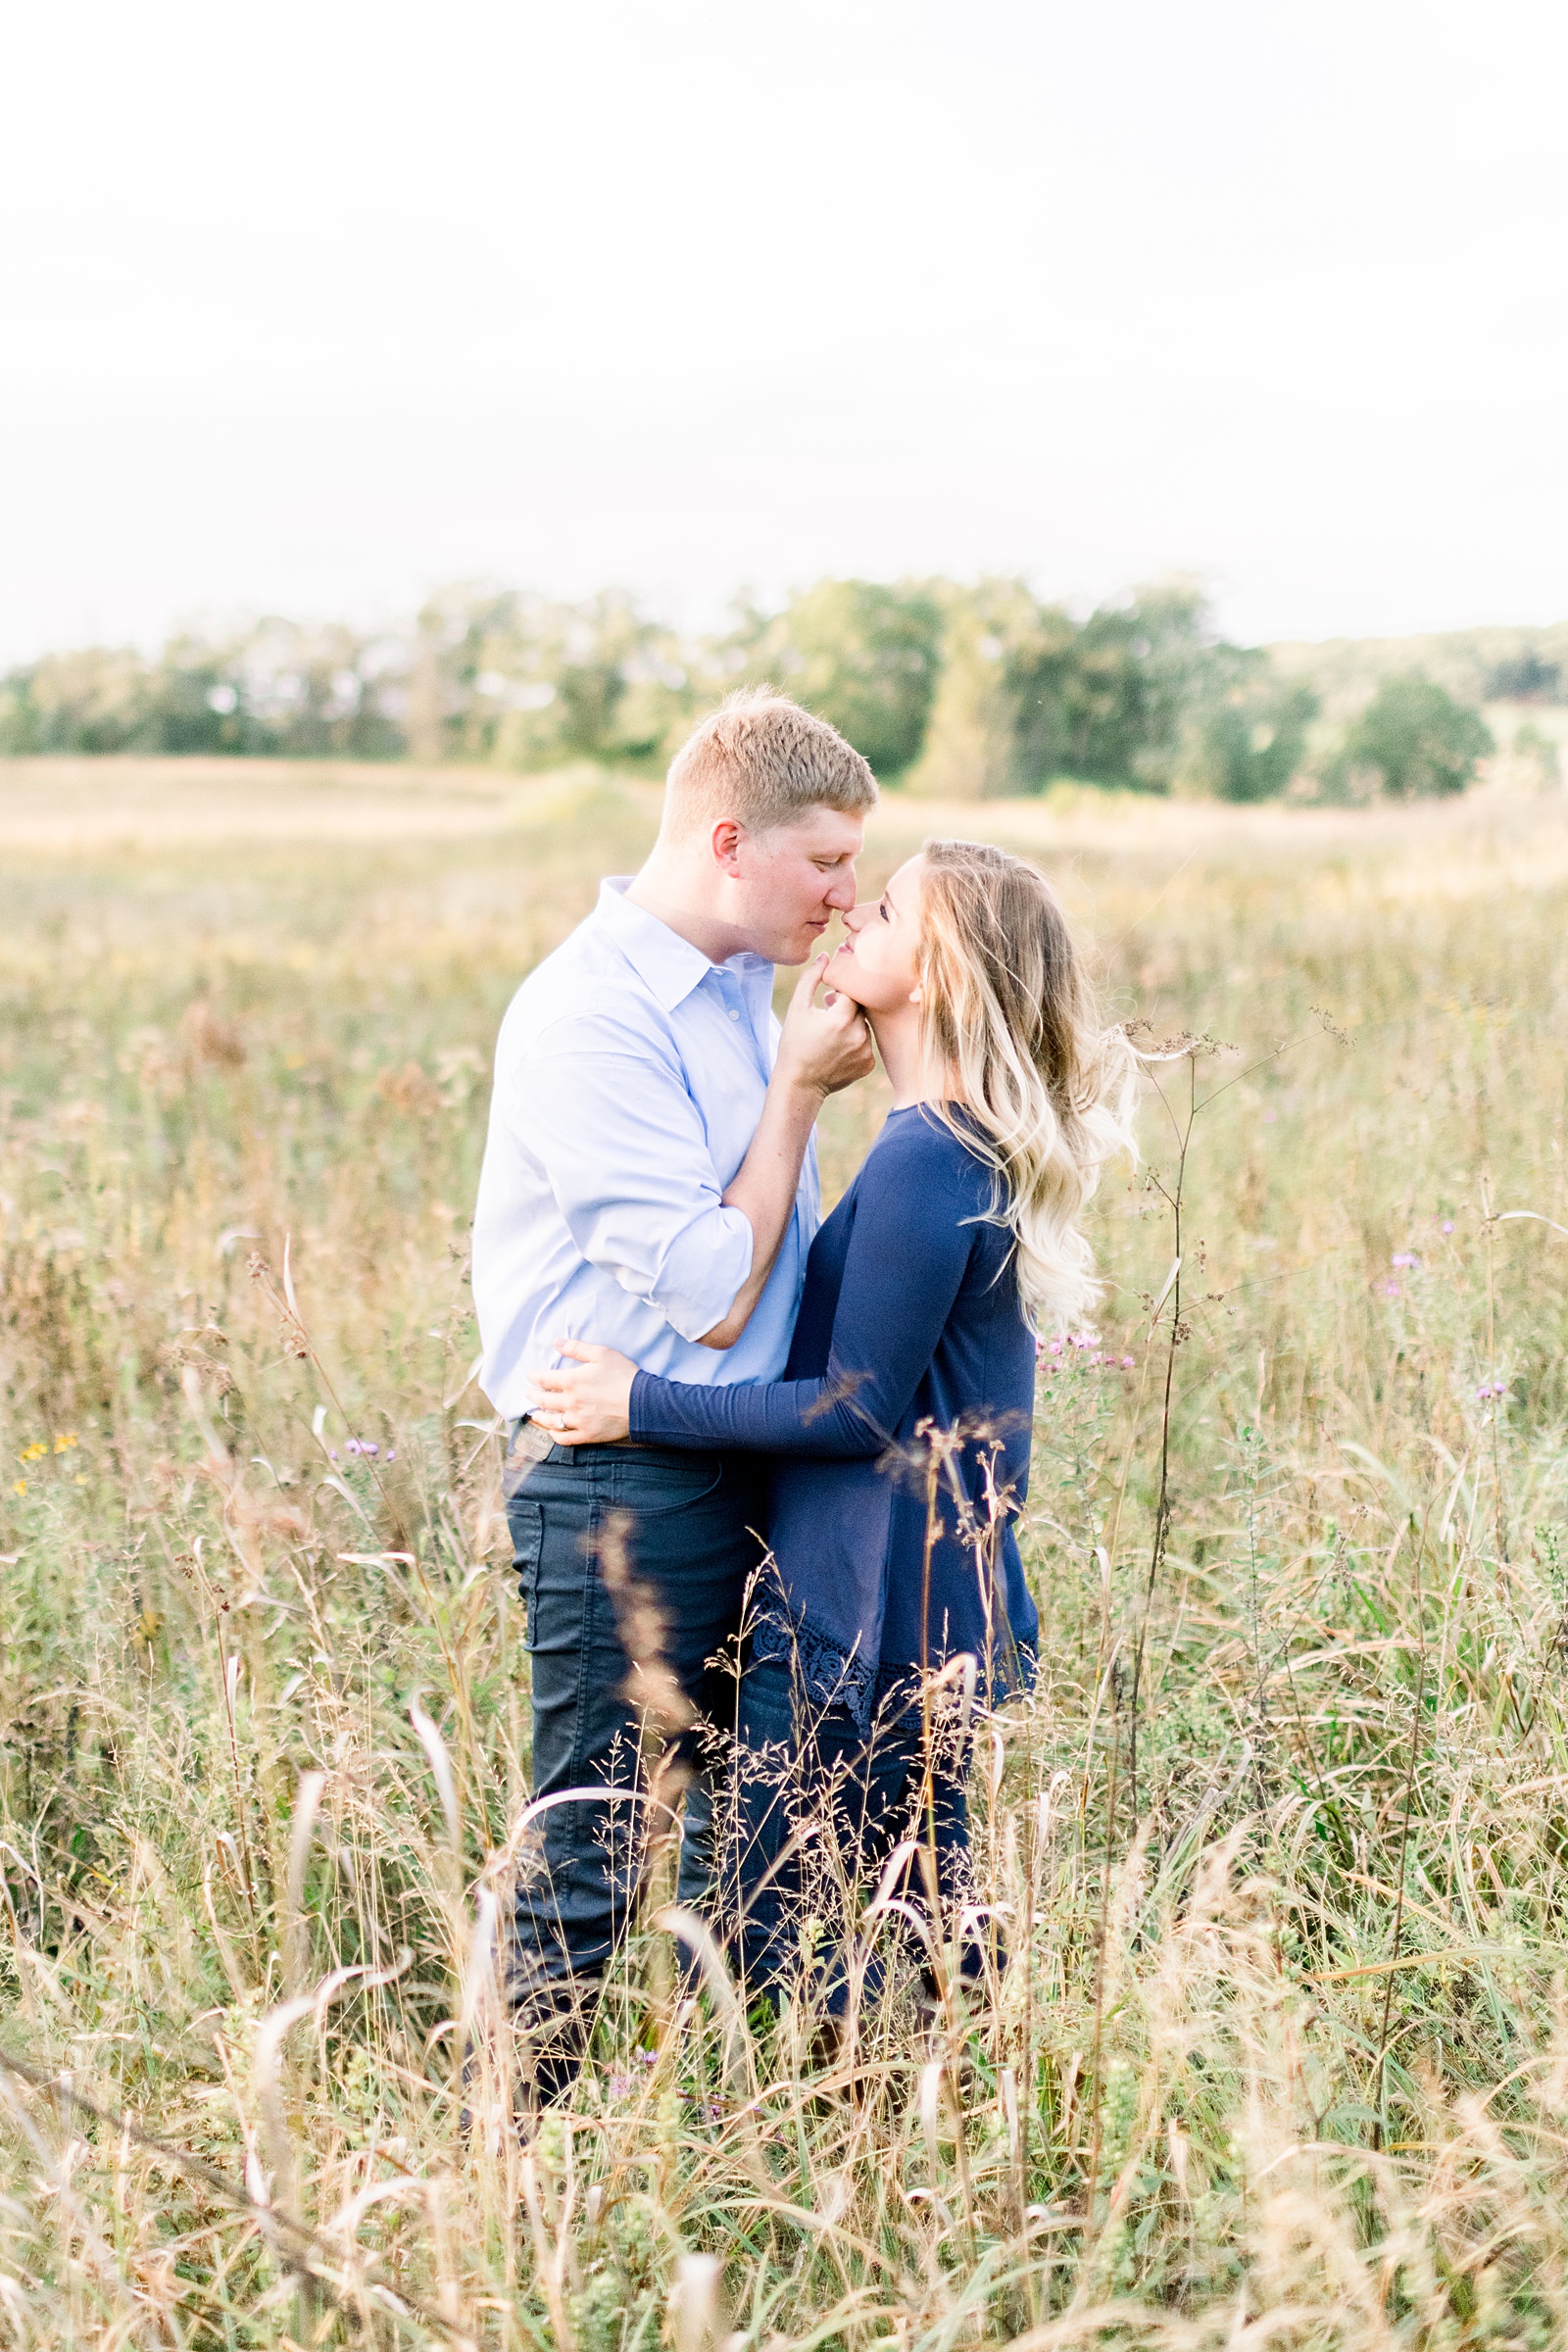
{"type": "Point", "coordinates": [629, 1079]}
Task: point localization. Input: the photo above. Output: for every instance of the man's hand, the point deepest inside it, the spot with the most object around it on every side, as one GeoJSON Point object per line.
{"type": "Point", "coordinates": [590, 1405]}
{"type": "Point", "coordinates": [823, 1046]}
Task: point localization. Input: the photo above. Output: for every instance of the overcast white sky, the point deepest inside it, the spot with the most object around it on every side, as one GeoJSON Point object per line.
{"type": "Point", "coordinates": [310, 306]}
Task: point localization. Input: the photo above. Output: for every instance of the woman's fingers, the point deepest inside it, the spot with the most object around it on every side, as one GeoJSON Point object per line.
{"type": "Point", "coordinates": [572, 1403]}
{"type": "Point", "coordinates": [555, 1413]}
{"type": "Point", "coordinates": [582, 1351]}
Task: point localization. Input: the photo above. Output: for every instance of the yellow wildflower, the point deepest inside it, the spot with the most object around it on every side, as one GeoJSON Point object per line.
{"type": "Point", "coordinates": [18, 1486]}
{"type": "Point", "coordinates": [32, 1453]}
{"type": "Point", "coordinates": [63, 1444]}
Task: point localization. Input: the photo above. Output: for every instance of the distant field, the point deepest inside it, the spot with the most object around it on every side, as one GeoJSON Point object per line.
{"type": "Point", "coordinates": [68, 805]}
{"type": "Point", "coordinates": [1279, 1846]}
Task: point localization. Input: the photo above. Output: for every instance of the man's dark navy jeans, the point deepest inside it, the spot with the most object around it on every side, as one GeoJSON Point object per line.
{"type": "Point", "coordinates": [691, 1543]}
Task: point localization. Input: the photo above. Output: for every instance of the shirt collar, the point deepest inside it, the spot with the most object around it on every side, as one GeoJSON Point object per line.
{"type": "Point", "coordinates": [670, 965]}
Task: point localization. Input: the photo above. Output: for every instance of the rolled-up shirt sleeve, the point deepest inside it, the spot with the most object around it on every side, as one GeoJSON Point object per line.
{"type": "Point", "coordinates": [626, 1153]}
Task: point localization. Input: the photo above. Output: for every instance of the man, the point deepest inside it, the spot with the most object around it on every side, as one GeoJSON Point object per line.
{"type": "Point", "coordinates": [650, 1181]}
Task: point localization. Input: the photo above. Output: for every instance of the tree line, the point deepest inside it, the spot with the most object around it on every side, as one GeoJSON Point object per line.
{"type": "Point", "coordinates": [965, 691]}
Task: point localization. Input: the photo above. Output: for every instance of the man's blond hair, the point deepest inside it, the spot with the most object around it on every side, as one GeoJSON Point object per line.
{"type": "Point", "coordinates": [765, 761]}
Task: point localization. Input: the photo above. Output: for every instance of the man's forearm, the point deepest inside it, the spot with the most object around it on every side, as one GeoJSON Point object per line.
{"type": "Point", "coordinates": [764, 1189]}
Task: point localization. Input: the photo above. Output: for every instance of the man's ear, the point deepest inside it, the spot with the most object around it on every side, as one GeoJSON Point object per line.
{"type": "Point", "coordinates": [727, 840]}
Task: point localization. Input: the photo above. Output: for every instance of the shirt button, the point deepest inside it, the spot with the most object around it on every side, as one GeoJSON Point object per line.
{"type": "Point", "coordinates": [734, 1015]}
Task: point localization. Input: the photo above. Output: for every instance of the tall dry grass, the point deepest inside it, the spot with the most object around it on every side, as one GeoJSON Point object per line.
{"type": "Point", "coordinates": [1277, 1845]}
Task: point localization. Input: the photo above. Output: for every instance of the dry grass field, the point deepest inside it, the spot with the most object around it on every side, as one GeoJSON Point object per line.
{"type": "Point", "coordinates": [1279, 1846]}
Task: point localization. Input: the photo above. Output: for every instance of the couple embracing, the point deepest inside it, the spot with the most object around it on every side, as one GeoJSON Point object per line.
{"type": "Point", "coordinates": [827, 1423]}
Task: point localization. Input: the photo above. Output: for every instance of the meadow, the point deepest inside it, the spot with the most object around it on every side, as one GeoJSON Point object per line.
{"type": "Point", "coordinates": [1278, 1846]}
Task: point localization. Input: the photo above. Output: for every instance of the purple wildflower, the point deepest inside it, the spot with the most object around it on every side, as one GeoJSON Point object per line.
{"type": "Point", "coordinates": [1407, 1259]}
{"type": "Point", "coordinates": [1390, 1290]}
{"type": "Point", "coordinates": [1448, 1225]}
{"type": "Point", "coordinates": [620, 2087]}
{"type": "Point", "coordinates": [1129, 1363]}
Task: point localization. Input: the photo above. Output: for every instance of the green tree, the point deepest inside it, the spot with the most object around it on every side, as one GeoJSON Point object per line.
{"type": "Point", "coordinates": [861, 655]}
{"type": "Point", "coordinates": [1108, 700]}
{"type": "Point", "coordinates": [622, 688]}
{"type": "Point", "coordinates": [989, 634]}
{"type": "Point", "coordinates": [1027, 694]}
{"type": "Point", "coordinates": [530, 683]}
{"type": "Point", "coordinates": [1247, 740]}
{"type": "Point", "coordinates": [273, 688]}
{"type": "Point", "coordinates": [1416, 740]}
{"type": "Point", "coordinates": [96, 699]}
{"type": "Point", "coordinates": [282, 688]}
{"type": "Point", "coordinates": [1042, 674]}
{"type": "Point", "coordinates": [1138, 666]}
{"type": "Point", "coordinates": [1525, 678]}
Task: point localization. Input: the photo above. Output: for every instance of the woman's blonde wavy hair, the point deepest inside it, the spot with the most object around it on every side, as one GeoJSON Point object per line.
{"type": "Point", "coordinates": [1041, 1086]}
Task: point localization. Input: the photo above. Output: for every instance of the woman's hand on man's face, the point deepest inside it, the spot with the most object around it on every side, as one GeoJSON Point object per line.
{"type": "Point", "coordinates": [589, 1401]}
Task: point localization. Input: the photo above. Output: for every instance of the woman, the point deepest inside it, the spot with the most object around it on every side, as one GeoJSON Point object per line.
{"type": "Point", "coordinates": [899, 1433]}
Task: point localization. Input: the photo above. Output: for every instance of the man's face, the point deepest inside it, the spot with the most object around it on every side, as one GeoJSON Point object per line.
{"type": "Point", "coordinates": [788, 884]}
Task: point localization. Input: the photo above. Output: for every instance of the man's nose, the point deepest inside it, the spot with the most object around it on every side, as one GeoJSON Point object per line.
{"type": "Point", "coordinates": [842, 895]}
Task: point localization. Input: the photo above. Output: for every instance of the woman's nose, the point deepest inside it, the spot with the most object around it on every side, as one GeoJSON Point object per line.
{"type": "Point", "coordinates": [855, 917]}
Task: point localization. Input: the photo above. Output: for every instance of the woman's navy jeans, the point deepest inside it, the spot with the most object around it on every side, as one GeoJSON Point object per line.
{"type": "Point", "coordinates": [810, 1783]}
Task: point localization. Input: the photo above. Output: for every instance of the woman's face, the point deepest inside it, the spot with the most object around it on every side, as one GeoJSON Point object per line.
{"type": "Point", "coordinates": [878, 965]}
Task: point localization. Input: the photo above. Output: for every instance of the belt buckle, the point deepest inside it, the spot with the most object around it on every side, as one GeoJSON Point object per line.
{"type": "Point", "coordinates": [530, 1445]}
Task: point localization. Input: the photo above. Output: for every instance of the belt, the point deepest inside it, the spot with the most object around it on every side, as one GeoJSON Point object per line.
{"type": "Point", "coordinates": [532, 1443]}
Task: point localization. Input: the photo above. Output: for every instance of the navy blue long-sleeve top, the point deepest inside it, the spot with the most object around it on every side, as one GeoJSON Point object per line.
{"type": "Point", "coordinates": [909, 1331]}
